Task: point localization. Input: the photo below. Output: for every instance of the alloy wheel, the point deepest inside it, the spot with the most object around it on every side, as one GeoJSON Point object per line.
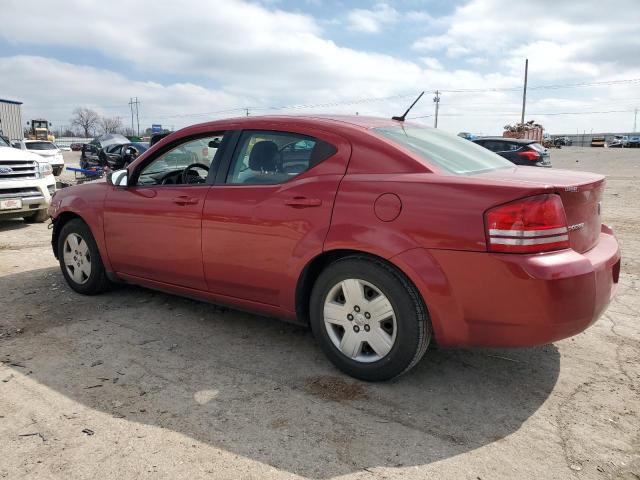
{"type": "Point", "coordinates": [360, 320]}
{"type": "Point", "coordinates": [77, 258]}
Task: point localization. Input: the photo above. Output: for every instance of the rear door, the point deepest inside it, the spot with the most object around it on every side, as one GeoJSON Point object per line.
{"type": "Point", "coordinates": [269, 212]}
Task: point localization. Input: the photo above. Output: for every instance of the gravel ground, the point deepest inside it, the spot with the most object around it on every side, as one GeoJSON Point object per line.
{"type": "Point", "coordinates": [140, 384]}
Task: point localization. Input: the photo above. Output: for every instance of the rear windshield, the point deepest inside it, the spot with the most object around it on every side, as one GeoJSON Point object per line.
{"type": "Point", "coordinates": [444, 150]}
{"type": "Point", "coordinates": [41, 146]}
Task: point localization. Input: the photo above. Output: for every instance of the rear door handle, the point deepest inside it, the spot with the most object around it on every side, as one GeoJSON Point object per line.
{"type": "Point", "coordinates": [303, 202]}
{"type": "Point", "coordinates": [185, 200]}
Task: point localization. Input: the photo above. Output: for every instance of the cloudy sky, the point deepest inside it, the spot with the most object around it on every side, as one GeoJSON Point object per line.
{"type": "Point", "coordinates": [193, 60]}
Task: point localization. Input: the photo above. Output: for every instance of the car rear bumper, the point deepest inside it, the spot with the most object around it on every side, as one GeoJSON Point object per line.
{"type": "Point", "coordinates": [512, 300]}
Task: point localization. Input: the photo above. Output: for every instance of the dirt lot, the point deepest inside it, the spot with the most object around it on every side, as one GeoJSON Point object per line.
{"type": "Point", "coordinates": [140, 384]}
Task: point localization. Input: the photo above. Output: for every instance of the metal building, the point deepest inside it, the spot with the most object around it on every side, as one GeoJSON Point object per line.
{"type": "Point", "coordinates": [11, 119]}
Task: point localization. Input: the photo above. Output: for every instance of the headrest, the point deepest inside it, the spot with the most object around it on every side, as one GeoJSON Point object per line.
{"type": "Point", "coordinates": [263, 156]}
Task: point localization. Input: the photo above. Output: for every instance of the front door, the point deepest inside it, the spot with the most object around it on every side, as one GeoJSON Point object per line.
{"type": "Point", "coordinates": [153, 226]}
{"type": "Point", "coordinates": [269, 211]}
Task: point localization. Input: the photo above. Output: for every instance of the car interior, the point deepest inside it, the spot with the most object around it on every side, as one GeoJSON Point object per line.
{"type": "Point", "coordinates": [273, 158]}
{"type": "Point", "coordinates": [187, 163]}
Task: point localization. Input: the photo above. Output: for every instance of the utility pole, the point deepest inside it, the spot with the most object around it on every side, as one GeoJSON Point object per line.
{"type": "Point", "coordinates": [131, 108]}
{"type": "Point", "coordinates": [436, 99]}
{"type": "Point", "coordinates": [246, 110]}
{"type": "Point", "coordinates": [524, 91]}
{"type": "Point", "coordinates": [635, 120]}
{"type": "Point", "coordinates": [133, 101]}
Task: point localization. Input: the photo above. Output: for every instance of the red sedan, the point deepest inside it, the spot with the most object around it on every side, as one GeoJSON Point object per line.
{"type": "Point", "coordinates": [382, 235]}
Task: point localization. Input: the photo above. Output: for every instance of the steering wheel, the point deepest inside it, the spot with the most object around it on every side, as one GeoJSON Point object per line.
{"type": "Point", "coordinates": [185, 172]}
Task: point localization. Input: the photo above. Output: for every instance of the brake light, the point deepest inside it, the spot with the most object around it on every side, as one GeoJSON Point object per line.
{"type": "Point", "coordinates": [531, 225]}
{"type": "Point", "coordinates": [530, 155]}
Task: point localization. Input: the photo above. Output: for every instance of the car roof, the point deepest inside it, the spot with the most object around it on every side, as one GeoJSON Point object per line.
{"type": "Point", "coordinates": [523, 141]}
{"type": "Point", "coordinates": [34, 141]}
{"type": "Point", "coordinates": [356, 121]}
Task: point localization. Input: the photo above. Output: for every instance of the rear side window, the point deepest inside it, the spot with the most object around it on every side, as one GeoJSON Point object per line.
{"type": "Point", "coordinates": [267, 158]}
{"type": "Point", "coordinates": [495, 145]}
{"type": "Point", "coordinates": [444, 150]}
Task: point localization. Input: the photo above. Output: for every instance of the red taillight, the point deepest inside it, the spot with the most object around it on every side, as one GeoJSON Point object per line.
{"type": "Point", "coordinates": [530, 155]}
{"type": "Point", "coordinates": [530, 225]}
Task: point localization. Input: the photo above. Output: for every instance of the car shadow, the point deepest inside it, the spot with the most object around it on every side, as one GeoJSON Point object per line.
{"type": "Point", "coordinates": [258, 387]}
{"type": "Point", "coordinates": [12, 224]}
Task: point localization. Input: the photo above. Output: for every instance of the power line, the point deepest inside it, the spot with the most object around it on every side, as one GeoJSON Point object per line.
{"type": "Point", "coordinates": [547, 87]}
{"type": "Point", "coordinates": [501, 114]}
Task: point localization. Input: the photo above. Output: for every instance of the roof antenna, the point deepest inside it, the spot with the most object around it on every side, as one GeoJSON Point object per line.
{"type": "Point", "coordinates": [404, 115]}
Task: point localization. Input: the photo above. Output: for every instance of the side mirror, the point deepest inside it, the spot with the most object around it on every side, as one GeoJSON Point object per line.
{"type": "Point", "coordinates": [118, 178]}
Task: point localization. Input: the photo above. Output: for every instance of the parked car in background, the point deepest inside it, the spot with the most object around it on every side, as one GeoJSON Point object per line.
{"type": "Point", "coordinates": [634, 141]}
{"type": "Point", "coordinates": [619, 141]}
{"type": "Point", "coordinates": [63, 148]}
{"type": "Point", "coordinates": [156, 137]}
{"type": "Point", "coordinates": [598, 142]}
{"type": "Point", "coordinates": [379, 234]}
{"type": "Point", "coordinates": [121, 155]}
{"type": "Point", "coordinates": [90, 156]}
{"type": "Point", "coordinates": [562, 142]}
{"type": "Point", "coordinates": [75, 147]}
{"type": "Point", "coordinates": [26, 184]}
{"type": "Point", "coordinates": [520, 151]}
{"type": "Point", "coordinates": [46, 149]}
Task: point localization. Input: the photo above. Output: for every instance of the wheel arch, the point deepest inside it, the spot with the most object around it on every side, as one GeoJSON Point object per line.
{"type": "Point", "coordinates": [60, 221]}
{"type": "Point", "coordinates": [316, 265]}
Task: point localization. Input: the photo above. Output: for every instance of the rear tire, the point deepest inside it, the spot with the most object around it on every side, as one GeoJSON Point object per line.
{"type": "Point", "coordinates": [369, 319]}
{"type": "Point", "coordinates": [80, 259]}
{"type": "Point", "coordinates": [38, 217]}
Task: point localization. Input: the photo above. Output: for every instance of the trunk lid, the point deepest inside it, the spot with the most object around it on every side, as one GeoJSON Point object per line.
{"type": "Point", "coordinates": [581, 194]}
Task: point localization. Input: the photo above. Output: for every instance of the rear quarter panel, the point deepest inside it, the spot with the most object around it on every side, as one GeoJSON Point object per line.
{"type": "Point", "coordinates": [437, 211]}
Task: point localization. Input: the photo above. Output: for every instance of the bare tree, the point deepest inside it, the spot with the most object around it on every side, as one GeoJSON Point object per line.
{"type": "Point", "coordinates": [110, 124]}
{"type": "Point", "coordinates": [85, 119]}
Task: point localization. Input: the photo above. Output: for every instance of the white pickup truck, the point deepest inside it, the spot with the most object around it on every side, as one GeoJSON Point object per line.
{"type": "Point", "coordinates": [26, 184]}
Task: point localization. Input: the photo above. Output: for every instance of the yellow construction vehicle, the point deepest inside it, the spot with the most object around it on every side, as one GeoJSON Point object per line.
{"type": "Point", "coordinates": [39, 130]}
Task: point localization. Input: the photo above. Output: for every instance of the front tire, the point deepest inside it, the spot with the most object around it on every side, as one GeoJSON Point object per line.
{"type": "Point", "coordinates": [369, 319]}
{"type": "Point", "coordinates": [80, 259]}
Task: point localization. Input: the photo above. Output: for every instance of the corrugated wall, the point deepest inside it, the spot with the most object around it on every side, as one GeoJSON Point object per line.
{"type": "Point", "coordinates": [11, 120]}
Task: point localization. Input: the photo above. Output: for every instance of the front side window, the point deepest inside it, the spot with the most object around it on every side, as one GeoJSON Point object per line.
{"type": "Point", "coordinates": [187, 163]}
{"type": "Point", "coordinates": [444, 150]}
{"type": "Point", "coordinates": [268, 158]}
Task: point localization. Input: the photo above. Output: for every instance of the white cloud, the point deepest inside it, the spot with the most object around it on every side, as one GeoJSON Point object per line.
{"type": "Point", "coordinates": [260, 56]}
{"type": "Point", "coordinates": [562, 39]}
{"type": "Point", "coordinates": [432, 63]}
{"type": "Point", "coordinates": [371, 21]}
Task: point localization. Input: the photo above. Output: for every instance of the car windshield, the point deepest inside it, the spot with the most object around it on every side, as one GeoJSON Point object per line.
{"type": "Point", "coordinates": [3, 143]}
{"type": "Point", "coordinates": [444, 150]}
{"type": "Point", "coordinates": [41, 146]}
